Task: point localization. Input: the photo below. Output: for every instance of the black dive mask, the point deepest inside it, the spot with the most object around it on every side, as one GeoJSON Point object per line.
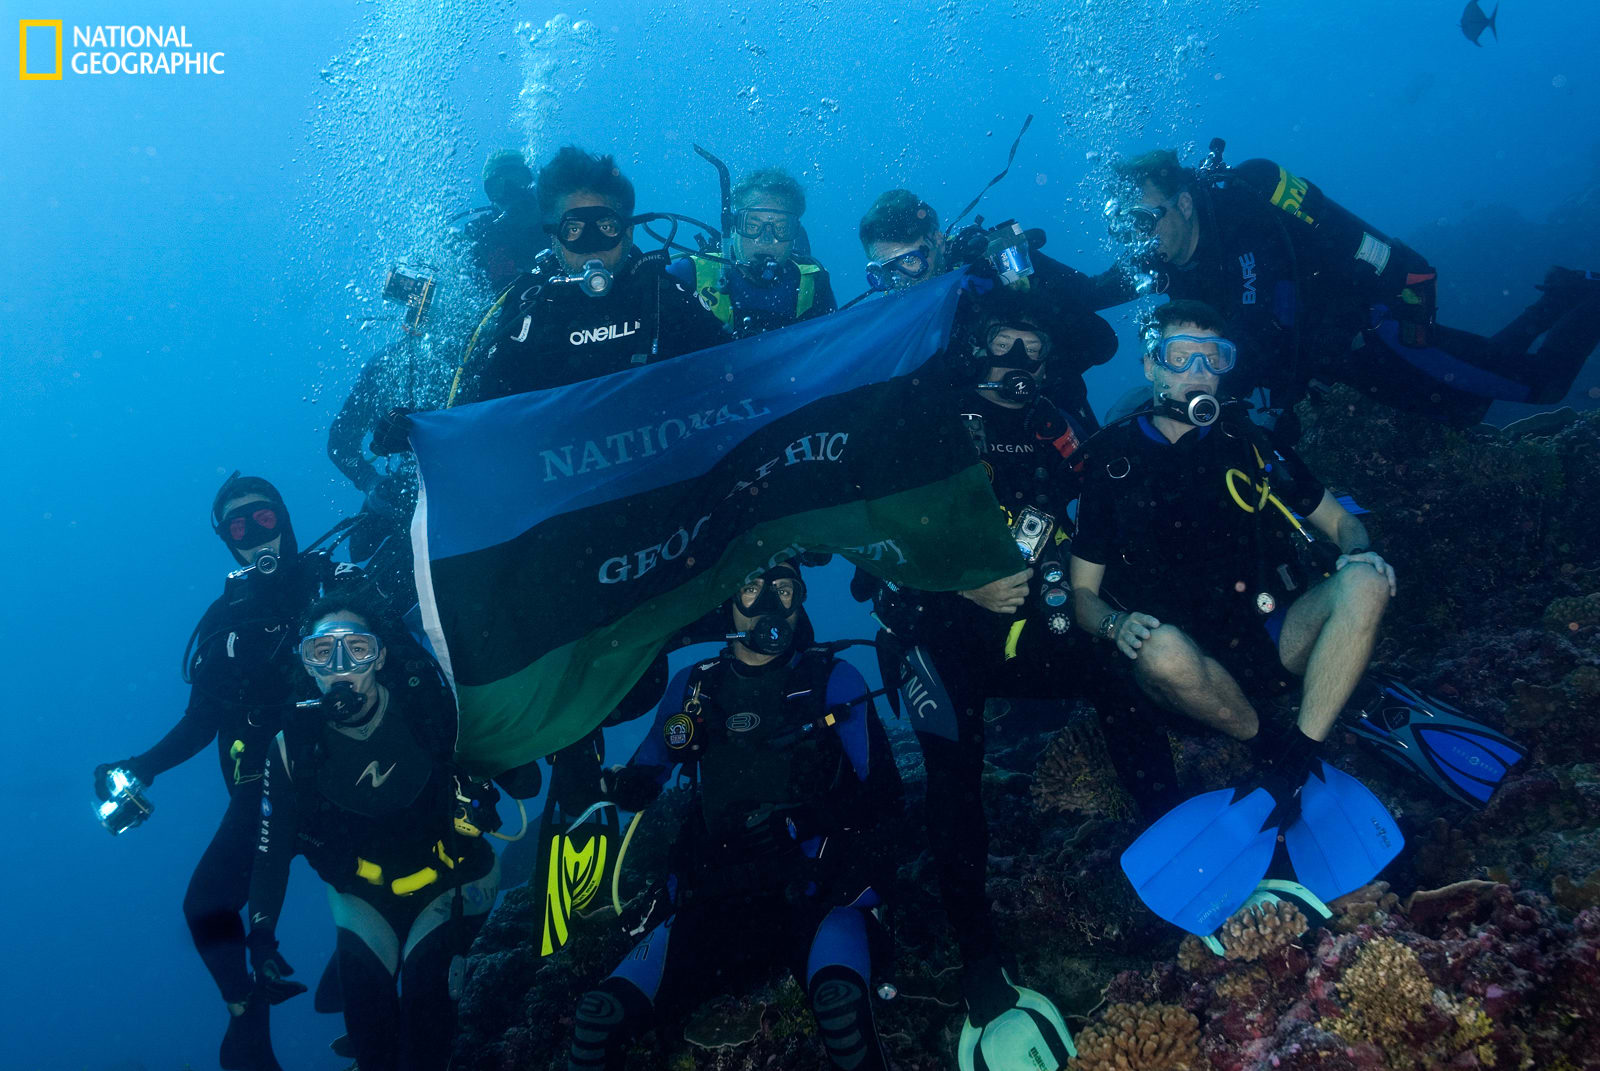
{"type": "Point", "coordinates": [1199, 408]}
{"type": "Point", "coordinates": [1015, 386]}
{"type": "Point", "coordinates": [594, 229]}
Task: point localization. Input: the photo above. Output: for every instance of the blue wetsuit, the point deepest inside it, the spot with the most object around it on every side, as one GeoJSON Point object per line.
{"type": "Point", "coordinates": [775, 861]}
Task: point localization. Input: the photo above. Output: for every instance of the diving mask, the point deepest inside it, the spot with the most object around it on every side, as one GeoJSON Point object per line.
{"type": "Point", "coordinates": [339, 647]}
{"type": "Point", "coordinates": [892, 273]}
{"type": "Point", "coordinates": [1178, 353]}
{"type": "Point", "coordinates": [594, 229]}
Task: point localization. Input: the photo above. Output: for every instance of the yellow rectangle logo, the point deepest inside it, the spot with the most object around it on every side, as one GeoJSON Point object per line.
{"type": "Point", "coordinates": [22, 51]}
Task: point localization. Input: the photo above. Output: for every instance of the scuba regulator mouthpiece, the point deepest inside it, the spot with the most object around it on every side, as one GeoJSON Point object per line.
{"type": "Point", "coordinates": [1200, 409]}
{"type": "Point", "coordinates": [265, 565]}
{"type": "Point", "coordinates": [769, 634]}
{"type": "Point", "coordinates": [1015, 386]}
{"type": "Point", "coordinates": [595, 280]}
{"type": "Point", "coordinates": [126, 805]}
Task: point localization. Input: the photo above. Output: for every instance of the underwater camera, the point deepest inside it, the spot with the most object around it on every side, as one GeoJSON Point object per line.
{"type": "Point", "coordinates": [1006, 248]}
{"type": "Point", "coordinates": [415, 292]}
{"type": "Point", "coordinates": [127, 805]}
{"type": "Point", "coordinates": [1032, 530]}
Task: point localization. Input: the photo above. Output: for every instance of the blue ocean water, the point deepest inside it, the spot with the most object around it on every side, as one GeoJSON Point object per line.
{"type": "Point", "coordinates": [191, 259]}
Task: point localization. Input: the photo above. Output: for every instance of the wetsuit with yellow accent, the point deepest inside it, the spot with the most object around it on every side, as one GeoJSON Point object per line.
{"type": "Point", "coordinates": [1166, 520]}
{"type": "Point", "coordinates": [372, 810]}
{"type": "Point", "coordinates": [1311, 291]}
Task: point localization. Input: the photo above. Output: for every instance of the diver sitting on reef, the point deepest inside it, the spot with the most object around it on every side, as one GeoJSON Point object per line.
{"type": "Point", "coordinates": [592, 304]}
{"type": "Point", "coordinates": [784, 853]}
{"type": "Point", "coordinates": [360, 783]}
{"type": "Point", "coordinates": [242, 679]}
{"type": "Point", "coordinates": [1312, 293]}
{"type": "Point", "coordinates": [1190, 515]}
{"type": "Point", "coordinates": [762, 279]}
{"type": "Point", "coordinates": [1012, 638]}
{"type": "Point", "coordinates": [1181, 517]}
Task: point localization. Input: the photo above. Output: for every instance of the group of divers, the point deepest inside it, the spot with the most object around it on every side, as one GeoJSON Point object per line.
{"type": "Point", "coordinates": [1205, 572]}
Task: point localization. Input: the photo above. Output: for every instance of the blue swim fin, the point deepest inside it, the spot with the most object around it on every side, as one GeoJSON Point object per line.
{"type": "Point", "coordinates": [1199, 862]}
{"type": "Point", "coordinates": [1463, 759]}
{"type": "Point", "coordinates": [1344, 836]}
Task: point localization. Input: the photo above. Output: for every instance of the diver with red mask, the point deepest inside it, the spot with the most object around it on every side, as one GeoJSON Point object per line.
{"type": "Point", "coordinates": [242, 671]}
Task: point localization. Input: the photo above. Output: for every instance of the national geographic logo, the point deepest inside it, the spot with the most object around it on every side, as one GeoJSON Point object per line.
{"type": "Point", "coordinates": [108, 49]}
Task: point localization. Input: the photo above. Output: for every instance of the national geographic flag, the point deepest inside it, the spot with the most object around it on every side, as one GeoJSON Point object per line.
{"type": "Point", "coordinates": [563, 536]}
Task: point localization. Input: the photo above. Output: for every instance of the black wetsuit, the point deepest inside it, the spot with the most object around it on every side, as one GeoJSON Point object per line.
{"type": "Point", "coordinates": [959, 655]}
{"type": "Point", "coordinates": [244, 674]}
{"type": "Point", "coordinates": [1176, 544]}
{"type": "Point", "coordinates": [1310, 291]}
{"type": "Point", "coordinates": [552, 334]}
{"type": "Point", "coordinates": [374, 818]}
{"type": "Point", "coordinates": [783, 857]}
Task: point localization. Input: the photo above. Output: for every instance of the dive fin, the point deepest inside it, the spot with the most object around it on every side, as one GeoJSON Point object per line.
{"type": "Point", "coordinates": [576, 854]}
{"type": "Point", "coordinates": [1344, 836]}
{"type": "Point", "coordinates": [1198, 863]}
{"type": "Point", "coordinates": [1492, 16]}
{"type": "Point", "coordinates": [1462, 758]}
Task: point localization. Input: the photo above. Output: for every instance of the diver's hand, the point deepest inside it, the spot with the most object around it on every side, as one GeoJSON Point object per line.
{"type": "Point", "coordinates": [632, 788]}
{"type": "Point", "coordinates": [1003, 596]}
{"type": "Point", "coordinates": [393, 433]}
{"type": "Point", "coordinates": [394, 496]}
{"type": "Point", "coordinates": [1132, 631]}
{"type": "Point", "coordinates": [271, 969]}
{"type": "Point", "coordinates": [102, 790]}
{"type": "Point", "coordinates": [1374, 559]}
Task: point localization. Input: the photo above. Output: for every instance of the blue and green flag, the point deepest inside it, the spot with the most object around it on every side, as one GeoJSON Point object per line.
{"type": "Point", "coordinates": [563, 536]}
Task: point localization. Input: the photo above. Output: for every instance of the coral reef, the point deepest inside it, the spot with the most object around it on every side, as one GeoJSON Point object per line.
{"type": "Point", "coordinates": [1262, 930]}
{"type": "Point", "coordinates": [1141, 1037]}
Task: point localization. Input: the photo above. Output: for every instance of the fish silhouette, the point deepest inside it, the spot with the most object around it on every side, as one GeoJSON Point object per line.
{"type": "Point", "coordinates": [1474, 22]}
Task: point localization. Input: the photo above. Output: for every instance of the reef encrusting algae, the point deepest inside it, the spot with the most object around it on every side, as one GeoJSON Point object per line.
{"type": "Point", "coordinates": [1481, 949]}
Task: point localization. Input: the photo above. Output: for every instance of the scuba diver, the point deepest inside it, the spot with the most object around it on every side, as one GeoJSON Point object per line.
{"type": "Point", "coordinates": [786, 850]}
{"type": "Point", "coordinates": [764, 279]}
{"type": "Point", "coordinates": [904, 245]}
{"type": "Point", "coordinates": [359, 781]}
{"type": "Point", "coordinates": [240, 668]}
{"type": "Point", "coordinates": [592, 303]}
{"type": "Point", "coordinates": [1011, 638]}
{"type": "Point", "coordinates": [1190, 514]}
{"type": "Point", "coordinates": [1314, 294]}
{"type": "Point", "coordinates": [504, 238]}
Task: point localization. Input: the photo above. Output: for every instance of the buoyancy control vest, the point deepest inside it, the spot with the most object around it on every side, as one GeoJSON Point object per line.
{"type": "Point", "coordinates": [764, 753]}
{"type": "Point", "coordinates": [726, 294]}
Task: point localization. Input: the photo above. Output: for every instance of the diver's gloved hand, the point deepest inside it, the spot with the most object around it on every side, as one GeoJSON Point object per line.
{"type": "Point", "coordinates": [393, 433]}
{"type": "Point", "coordinates": [271, 969]}
{"type": "Point", "coordinates": [632, 788]}
{"type": "Point", "coordinates": [102, 790]}
{"type": "Point", "coordinates": [986, 991]}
